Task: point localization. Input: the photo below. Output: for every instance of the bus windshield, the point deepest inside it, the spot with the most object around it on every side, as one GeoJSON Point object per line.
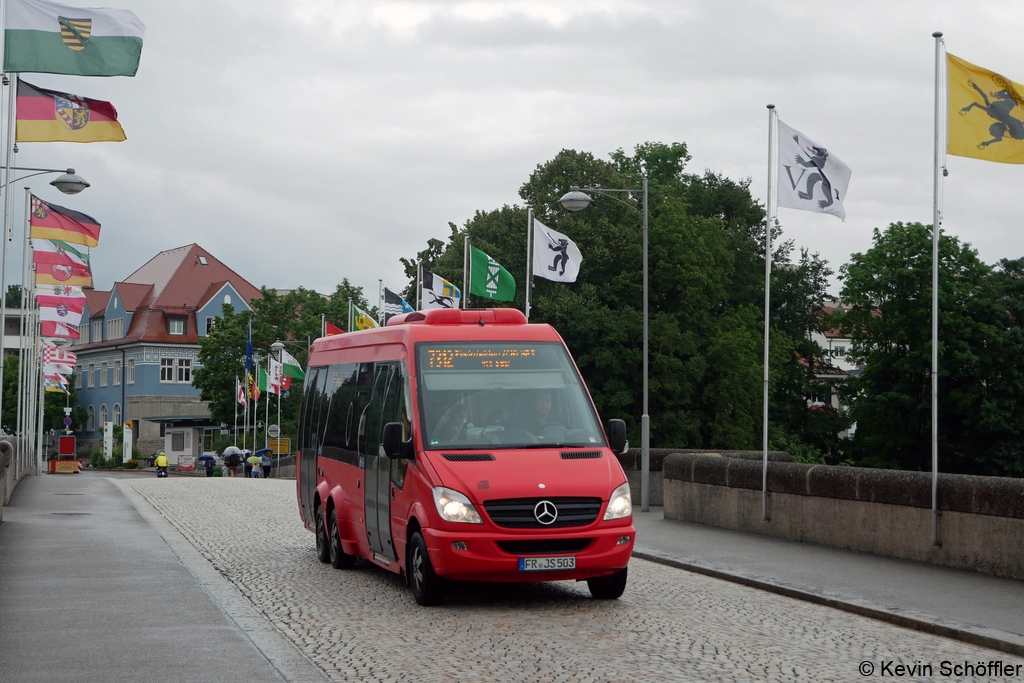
{"type": "Point", "coordinates": [503, 395]}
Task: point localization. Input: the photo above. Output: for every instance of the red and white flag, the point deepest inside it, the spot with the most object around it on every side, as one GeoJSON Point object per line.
{"type": "Point", "coordinates": [55, 355]}
{"type": "Point", "coordinates": [240, 392]}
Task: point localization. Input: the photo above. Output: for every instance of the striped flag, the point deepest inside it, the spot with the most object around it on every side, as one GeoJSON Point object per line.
{"type": "Point", "coordinates": [60, 263]}
{"type": "Point", "coordinates": [52, 222]}
{"type": "Point", "coordinates": [53, 116]}
{"type": "Point", "coordinates": [47, 37]}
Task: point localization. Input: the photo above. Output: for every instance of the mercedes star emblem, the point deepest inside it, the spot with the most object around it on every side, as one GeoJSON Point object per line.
{"type": "Point", "coordinates": [545, 512]}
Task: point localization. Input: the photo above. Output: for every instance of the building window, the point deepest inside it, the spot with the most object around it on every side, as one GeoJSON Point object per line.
{"type": "Point", "coordinates": [166, 369]}
{"type": "Point", "coordinates": [95, 382]}
{"type": "Point", "coordinates": [185, 370]}
{"type": "Point", "coordinates": [175, 326]}
{"type": "Point", "coordinates": [83, 334]}
{"type": "Point", "coordinates": [115, 328]}
{"type": "Point", "coordinates": [131, 371]}
{"type": "Point", "coordinates": [211, 320]}
{"type": "Point", "coordinates": [117, 374]}
{"type": "Point", "coordinates": [97, 330]}
{"type": "Point", "coordinates": [90, 422]}
{"type": "Point", "coordinates": [103, 374]}
{"type": "Point", "coordinates": [117, 413]}
{"type": "Point", "coordinates": [90, 378]}
{"type": "Point", "coordinates": [177, 441]}
{"type": "Point", "coordinates": [78, 377]}
{"type": "Point", "coordinates": [103, 415]}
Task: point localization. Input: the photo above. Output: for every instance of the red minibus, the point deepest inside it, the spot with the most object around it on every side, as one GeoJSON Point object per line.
{"type": "Point", "coordinates": [461, 445]}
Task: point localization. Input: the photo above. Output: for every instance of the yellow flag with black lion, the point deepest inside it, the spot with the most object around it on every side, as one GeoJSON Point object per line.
{"type": "Point", "coordinates": [986, 113]}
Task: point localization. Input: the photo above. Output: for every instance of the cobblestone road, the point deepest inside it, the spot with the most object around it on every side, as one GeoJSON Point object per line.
{"type": "Point", "coordinates": [670, 625]}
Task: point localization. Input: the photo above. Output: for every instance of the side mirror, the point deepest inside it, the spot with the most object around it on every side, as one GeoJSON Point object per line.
{"type": "Point", "coordinates": [617, 437]}
{"type": "Point", "coordinates": [391, 441]}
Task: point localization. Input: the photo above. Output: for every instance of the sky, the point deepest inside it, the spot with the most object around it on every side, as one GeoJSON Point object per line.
{"type": "Point", "coordinates": [307, 141]}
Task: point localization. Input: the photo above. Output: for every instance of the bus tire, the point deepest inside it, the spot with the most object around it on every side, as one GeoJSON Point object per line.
{"type": "Point", "coordinates": [322, 551]}
{"type": "Point", "coordinates": [427, 587]}
{"type": "Point", "coordinates": [608, 587]}
{"type": "Point", "coordinates": [339, 558]}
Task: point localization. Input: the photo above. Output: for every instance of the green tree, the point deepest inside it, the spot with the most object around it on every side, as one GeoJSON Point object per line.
{"type": "Point", "coordinates": [890, 293]}
{"type": "Point", "coordinates": [13, 296]}
{"type": "Point", "coordinates": [293, 318]}
{"type": "Point", "coordinates": [706, 294]}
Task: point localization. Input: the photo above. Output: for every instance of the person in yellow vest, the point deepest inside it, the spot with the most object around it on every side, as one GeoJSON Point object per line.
{"type": "Point", "coordinates": [161, 464]}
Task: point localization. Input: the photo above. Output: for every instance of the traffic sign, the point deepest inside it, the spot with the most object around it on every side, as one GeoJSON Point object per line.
{"type": "Point", "coordinates": [273, 431]}
{"type": "Point", "coordinates": [67, 421]}
{"type": "Point", "coordinates": [280, 446]}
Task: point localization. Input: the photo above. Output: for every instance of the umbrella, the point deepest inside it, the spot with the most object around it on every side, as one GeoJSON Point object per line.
{"type": "Point", "coordinates": [204, 458]}
{"type": "Point", "coordinates": [254, 460]}
{"type": "Point", "coordinates": [231, 450]}
{"type": "Point", "coordinates": [264, 450]}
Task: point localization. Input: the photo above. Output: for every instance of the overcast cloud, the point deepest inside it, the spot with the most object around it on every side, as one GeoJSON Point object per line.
{"type": "Point", "coordinates": [312, 140]}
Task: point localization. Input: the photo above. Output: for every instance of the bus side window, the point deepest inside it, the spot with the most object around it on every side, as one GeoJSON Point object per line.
{"type": "Point", "coordinates": [342, 379]}
{"type": "Point", "coordinates": [398, 411]}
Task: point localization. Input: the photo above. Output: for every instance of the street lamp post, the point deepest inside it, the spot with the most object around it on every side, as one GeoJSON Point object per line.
{"type": "Point", "coordinates": [68, 183]}
{"type": "Point", "coordinates": [577, 199]}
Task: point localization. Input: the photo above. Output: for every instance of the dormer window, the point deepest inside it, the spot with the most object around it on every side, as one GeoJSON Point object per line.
{"type": "Point", "coordinates": [202, 261]}
{"type": "Point", "coordinates": [176, 326]}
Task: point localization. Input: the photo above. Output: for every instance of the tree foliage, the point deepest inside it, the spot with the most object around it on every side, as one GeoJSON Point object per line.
{"type": "Point", "coordinates": [294, 318]}
{"type": "Point", "coordinates": [889, 289]}
{"type": "Point", "coordinates": [706, 280]}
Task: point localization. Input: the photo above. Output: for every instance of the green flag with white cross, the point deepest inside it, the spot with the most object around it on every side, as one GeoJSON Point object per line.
{"type": "Point", "coordinates": [489, 279]}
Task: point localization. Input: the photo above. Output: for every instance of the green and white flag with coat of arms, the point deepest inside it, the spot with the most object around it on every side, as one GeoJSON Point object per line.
{"type": "Point", "coordinates": [489, 279]}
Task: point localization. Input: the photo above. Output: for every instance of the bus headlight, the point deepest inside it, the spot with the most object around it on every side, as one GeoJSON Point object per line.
{"type": "Point", "coordinates": [455, 507]}
{"type": "Point", "coordinates": [620, 504]}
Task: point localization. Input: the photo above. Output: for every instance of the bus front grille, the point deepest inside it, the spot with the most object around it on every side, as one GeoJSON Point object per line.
{"type": "Point", "coordinates": [518, 513]}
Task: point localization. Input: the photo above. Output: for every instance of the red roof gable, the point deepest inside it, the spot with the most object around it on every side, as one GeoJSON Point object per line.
{"type": "Point", "coordinates": [133, 296]}
{"type": "Point", "coordinates": [172, 284]}
{"type": "Point", "coordinates": [180, 277]}
{"type": "Point", "coordinates": [97, 301]}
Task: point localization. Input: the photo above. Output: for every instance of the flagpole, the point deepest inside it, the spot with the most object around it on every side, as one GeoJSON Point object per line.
{"type": "Point", "coordinates": [419, 285]}
{"type": "Point", "coordinates": [349, 321]}
{"type": "Point", "coordinates": [323, 325]}
{"type": "Point", "coordinates": [237, 386]}
{"type": "Point", "coordinates": [24, 358]}
{"type": "Point", "coordinates": [9, 140]}
{"type": "Point", "coordinates": [772, 209]}
{"type": "Point", "coordinates": [380, 302]}
{"type": "Point", "coordinates": [939, 169]}
{"type": "Point", "coordinates": [266, 411]}
{"type": "Point", "coordinates": [529, 269]}
{"type": "Point", "coordinates": [465, 272]}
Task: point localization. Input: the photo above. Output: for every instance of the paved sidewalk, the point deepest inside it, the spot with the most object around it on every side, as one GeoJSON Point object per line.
{"type": "Point", "coordinates": [90, 591]}
{"type": "Point", "coordinates": [972, 607]}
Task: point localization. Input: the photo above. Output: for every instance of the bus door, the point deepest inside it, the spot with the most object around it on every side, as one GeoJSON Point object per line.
{"type": "Point", "coordinates": [388, 387]}
{"type": "Point", "coordinates": [309, 443]}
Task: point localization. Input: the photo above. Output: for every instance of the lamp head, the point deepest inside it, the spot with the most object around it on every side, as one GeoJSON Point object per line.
{"type": "Point", "coordinates": [70, 182]}
{"type": "Point", "coordinates": [575, 200]}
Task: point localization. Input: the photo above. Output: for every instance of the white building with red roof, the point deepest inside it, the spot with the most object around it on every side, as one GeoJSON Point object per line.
{"type": "Point", "coordinates": [139, 344]}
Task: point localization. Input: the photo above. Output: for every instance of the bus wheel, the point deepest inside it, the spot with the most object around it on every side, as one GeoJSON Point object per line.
{"type": "Point", "coordinates": [608, 587]}
{"type": "Point", "coordinates": [339, 558]}
{"type": "Point", "coordinates": [322, 552]}
{"type": "Point", "coordinates": [427, 587]}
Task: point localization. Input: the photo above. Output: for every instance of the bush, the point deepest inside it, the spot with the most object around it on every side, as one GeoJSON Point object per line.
{"type": "Point", "coordinates": [218, 471]}
{"type": "Point", "coordinates": [131, 464]}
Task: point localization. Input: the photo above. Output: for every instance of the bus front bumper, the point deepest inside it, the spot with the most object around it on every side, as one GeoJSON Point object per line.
{"type": "Point", "coordinates": [495, 556]}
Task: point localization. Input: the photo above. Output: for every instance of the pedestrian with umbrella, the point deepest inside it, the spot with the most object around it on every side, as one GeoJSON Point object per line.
{"type": "Point", "coordinates": [244, 454]}
{"type": "Point", "coordinates": [266, 462]}
{"type": "Point", "coordinates": [232, 459]}
{"type": "Point", "coordinates": [208, 462]}
{"type": "Point", "coordinates": [255, 464]}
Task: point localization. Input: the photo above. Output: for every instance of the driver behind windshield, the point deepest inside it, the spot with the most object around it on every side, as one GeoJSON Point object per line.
{"type": "Point", "coordinates": [453, 423]}
{"type": "Point", "coordinates": [537, 414]}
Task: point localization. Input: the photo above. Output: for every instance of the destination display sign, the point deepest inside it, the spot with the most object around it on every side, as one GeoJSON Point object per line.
{"type": "Point", "coordinates": [497, 357]}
